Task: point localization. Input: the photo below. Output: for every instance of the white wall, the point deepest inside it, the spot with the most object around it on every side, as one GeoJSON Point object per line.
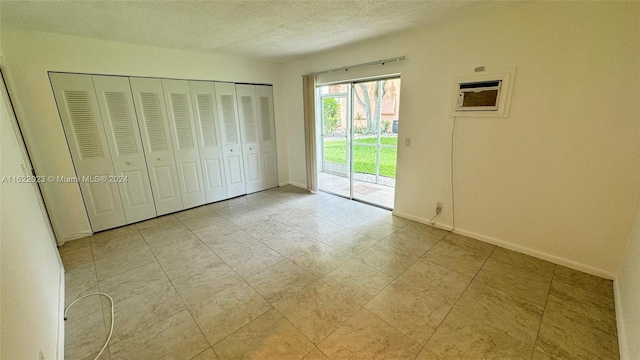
{"type": "Point", "coordinates": [30, 269]}
{"type": "Point", "coordinates": [558, 178]}
{"type": "Point", "coordinates": [29, 55]}
{"type": "Point", "coordinates": [627, 294]}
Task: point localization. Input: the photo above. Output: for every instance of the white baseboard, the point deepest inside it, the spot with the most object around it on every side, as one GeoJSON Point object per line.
{"type": "Point", "coordinates": [515, 247]}
{"type": "Point", "coordinates": [302, 186]}
{"type": "Point", "coordinates": [538, 254]}
{"type": "Point", "coordinates": [60, 352]}
{"type": "Point", "coordinates": [622, 334]}
{"type": "Point", "coordinates": [76, 236]}
{"type": "Point", "coordinates": [436, 224]}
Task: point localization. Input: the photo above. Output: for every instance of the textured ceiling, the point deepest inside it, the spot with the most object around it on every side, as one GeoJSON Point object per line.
{"type": "Point", "coordinates": [272, 30]}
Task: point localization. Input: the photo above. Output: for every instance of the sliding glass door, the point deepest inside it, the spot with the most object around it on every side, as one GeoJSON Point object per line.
{"type": "Point", "coordinates": [375, 139]}
{"type": "Point", "coordinates": [359, 128]}
{"type": "Point", "coordinates": [335, 167]}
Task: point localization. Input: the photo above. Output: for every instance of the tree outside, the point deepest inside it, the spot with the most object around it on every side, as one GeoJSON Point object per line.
{"type": "Point", "coordinates": [330, 115]}
{"type": "Point", "coordinates": [376, 104]}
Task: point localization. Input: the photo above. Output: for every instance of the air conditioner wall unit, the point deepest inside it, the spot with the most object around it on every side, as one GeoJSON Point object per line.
{"type": "Point", "coordinates": [483, 94]}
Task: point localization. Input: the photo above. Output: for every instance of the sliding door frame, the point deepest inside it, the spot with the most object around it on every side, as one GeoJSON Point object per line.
{"type": "Point", "coordinates": [349, 131]}
{"type": "Point", "coordinates": [320, 130]}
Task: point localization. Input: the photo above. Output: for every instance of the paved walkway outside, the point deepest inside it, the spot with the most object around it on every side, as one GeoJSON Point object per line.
{"type": "Point", "coordinates": [365, 191]}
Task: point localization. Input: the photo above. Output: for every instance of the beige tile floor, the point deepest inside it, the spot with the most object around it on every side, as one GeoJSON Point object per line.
{"type": "Point", "coordinates": [284, 274]}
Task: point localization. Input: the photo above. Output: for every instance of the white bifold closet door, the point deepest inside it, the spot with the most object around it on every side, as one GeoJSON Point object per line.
{"type": "Point", "coordinates": [123, 136]}
{"type": "Point", "coordinates": [154, 128]}
{"type": "Point", "coordinates": [268, 151]}
{"type": "Point", "coordinates": [203, 99]}
{"type": "Point", "coordinates": [185, 143]}
{"type": "Point", "coordinates": [80, 114]}
{"type": "Point", "coordinates": [250, 138]}
{"type": "Point", "coordinates": [230, 136]}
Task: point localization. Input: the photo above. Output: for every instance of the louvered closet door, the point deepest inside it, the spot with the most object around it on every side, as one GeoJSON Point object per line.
{"type": "Point", "coordinates": [76, 99]}
{"type": "Point", "coordinates": [267, 127]}
{"type": "Point", "coordinates": [123, 137]}
{"type": "Point", "coordinates": [230, 136]}
{"type": "Point", "coordinates": [208, 134]}
{"type": "Point", "coordinates": [250, 138]}
{"type": "Point", "coordinates": [156, 139]}
{"type": "Point", "coordinates": [185, 142]}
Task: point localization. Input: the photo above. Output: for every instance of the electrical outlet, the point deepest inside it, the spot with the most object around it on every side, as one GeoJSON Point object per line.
{"type": "Point", "coordinates": [41, 357]}
{"type": "Point", "coordinates": [438, 207]}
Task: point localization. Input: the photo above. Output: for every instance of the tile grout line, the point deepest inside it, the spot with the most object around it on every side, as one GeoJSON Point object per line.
{"type": "Point", "coordinates": [100, 280]}
{"type": "Point", "coordinates": [155, 259]}
{"type": "Point", "coordinates": [544, 311]}
{"type": "Point", "coordinates": [515, 295]}
{"type": "Point", "coordinates": [459, 297]}
{"type": "Point", "coordinates": [169, 280]}
{"type": "Point", "coordinates": [204, 352]}
{"type": "Point", "coordinates": [308, 285]}
{"type": "Point", "coordinates": [104, 320]}
{"type": "Point", "coordinates": [422, 257]}
{"type": "Point", "coordinates": [321, 277]}
{"type": "Point", "coordinates": [292, 324]}
{"type": "Point", "coordinates": [317, 278]}
{"type": "Point", "coordinates": [248, 284]}
{"type": "Point", "coordinates": [180, 296]}
{"type": "Point", "coordinates": [578, 321]}
{"type": "Point", "coordinates": [362, 307]}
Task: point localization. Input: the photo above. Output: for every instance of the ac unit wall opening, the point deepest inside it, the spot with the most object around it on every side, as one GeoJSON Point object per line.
{"type": "Point", "coordinates": [482, 94]}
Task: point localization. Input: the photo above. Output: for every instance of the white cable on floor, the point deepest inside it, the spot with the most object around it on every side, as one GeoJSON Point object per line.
{"type": "Point", "coordinates": [112, 317]}
{"type": "Point", "coordinates": [431, 221]}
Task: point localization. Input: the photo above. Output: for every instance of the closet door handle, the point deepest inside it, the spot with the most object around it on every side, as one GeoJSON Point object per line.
{"type": "Point", "coordinates": [129, 163]}
{"type": "Point", "coordinates": [159, 159]}
{"type": "Point", "coordinates": [231, 150]}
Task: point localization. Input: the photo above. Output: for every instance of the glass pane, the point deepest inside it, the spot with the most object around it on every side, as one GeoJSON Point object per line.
{"type": "Point", "coordinates": [375, 136]}
{"type": "Point", "coordinates": [364, 162]}
{"type": "Point", "coordinates": [341, 89]}
{"type": "Point", "coordinates": [334, 170]}
{"type": "Point", "coordinates": [335, 152]}
{"type": "Point", "coordinates": [388, 159]}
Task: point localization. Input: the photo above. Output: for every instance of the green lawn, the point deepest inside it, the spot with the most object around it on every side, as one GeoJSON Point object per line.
{"type": "Point", "coordinates": [364, 156]}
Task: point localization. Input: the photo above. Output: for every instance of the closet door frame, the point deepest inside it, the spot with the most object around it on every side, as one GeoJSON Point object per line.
{"type": "Point", "coordinates": [247, 114]}
{"type": "Point", "coordinates": [231, 138]}
{"type": "Point", "coordinates": [93, 165]}
{"type": "Point", "coordinates": [123, 136]}
{"type": "Point", "coordinates": [205, 113]}
{"type": "Point", "coordinates": [232, 149]}
{"type": "Point", "coordinates": [185, 144]}
{"type": "Point", "coordinates": [268, 142]}
{"type": "Point", "coordinates": [148, 98]}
